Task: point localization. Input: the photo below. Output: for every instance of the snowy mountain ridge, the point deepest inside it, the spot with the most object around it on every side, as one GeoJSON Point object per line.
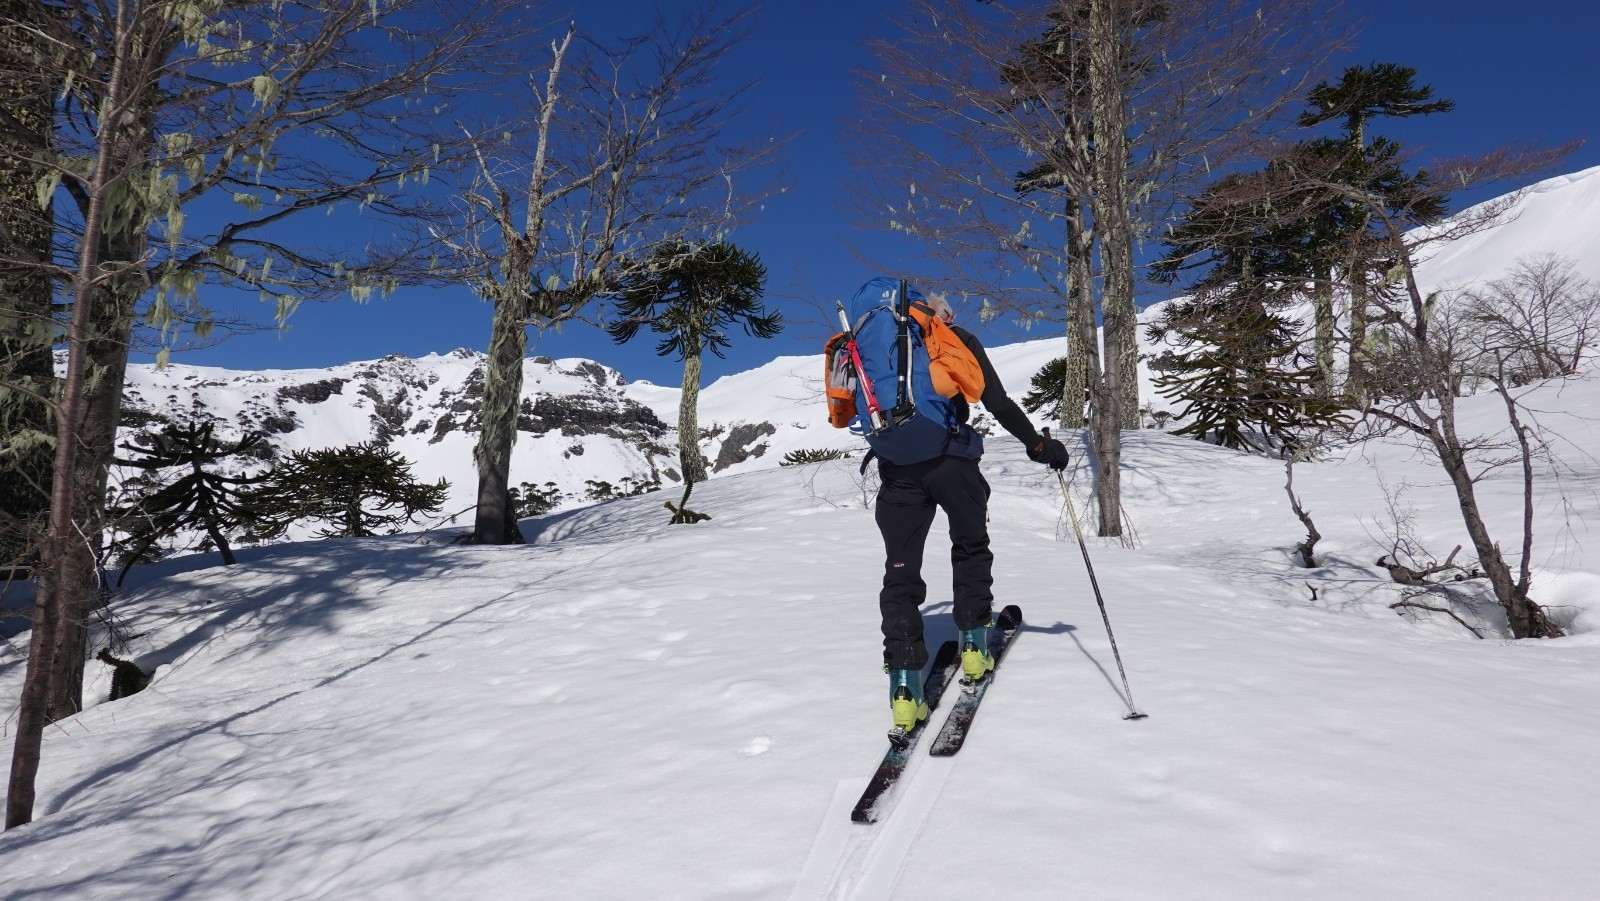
{"type": "Point", "coordinates": [591, 432]}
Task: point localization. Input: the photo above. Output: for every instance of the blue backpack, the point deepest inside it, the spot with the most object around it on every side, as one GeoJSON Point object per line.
{"type": "Point", "coordinates": [881, 367]}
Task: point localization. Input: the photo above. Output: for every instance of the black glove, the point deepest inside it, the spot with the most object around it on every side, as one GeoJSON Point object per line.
{"type": "Point", "coordinates": [1050, 452]}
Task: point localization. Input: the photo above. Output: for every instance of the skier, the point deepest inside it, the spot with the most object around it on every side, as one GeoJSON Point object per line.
{"type": "Point", "coordinates": [904, 512]}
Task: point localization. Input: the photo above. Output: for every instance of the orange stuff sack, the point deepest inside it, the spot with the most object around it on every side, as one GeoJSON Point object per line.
{"type": "Point", "coordinates": [840, 381]}
{"type": "Point", "coordinates": [953, 367]}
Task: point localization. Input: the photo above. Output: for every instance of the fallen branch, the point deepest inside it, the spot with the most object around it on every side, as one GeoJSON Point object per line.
{"type": "Point", "coordinates": [1405, 575]}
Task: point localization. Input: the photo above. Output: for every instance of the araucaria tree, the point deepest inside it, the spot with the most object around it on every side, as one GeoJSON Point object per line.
{"type": "Point", "coordinates": [181, 486]}
{"type": "Point", "coordinates": [617, 153]}
{"type": "Point", "coordinates": [1031, 145]}
{"type": "Point", "coordinates": [1242, 379]}
{"type": "Point", "coordinates": [159, 107]}
{"type": "Point", "coordinates": [1234, 359]}
{"type": "Point", "coordinates": [356, 492]}
{"type": "Point", "coordinates": [694, 296]}
{"type": "Point", "coordinates": [1360, 94]}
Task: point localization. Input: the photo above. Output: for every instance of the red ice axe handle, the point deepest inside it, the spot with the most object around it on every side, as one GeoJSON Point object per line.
{"type": "Point", "coordinates": [874, 412]}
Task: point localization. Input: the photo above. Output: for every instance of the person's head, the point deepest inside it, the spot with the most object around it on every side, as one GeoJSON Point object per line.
{"type": "Point", "coordinates": [940, 307]}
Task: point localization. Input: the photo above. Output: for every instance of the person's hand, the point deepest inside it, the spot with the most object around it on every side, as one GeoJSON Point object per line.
{"type": "Point", "coordinates": [1050, 452]}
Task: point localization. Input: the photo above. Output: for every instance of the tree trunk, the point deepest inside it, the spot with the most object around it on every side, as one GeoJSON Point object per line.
{"type": "Point", "coordinates": [53, 686]}
{"type": "Point", "coordinates": [108, 361]}
{"type": "Point", "coordinates": [1108, 63]}
{"type": "Point", "coordinates": [1114, 401]}
{"type": "Point", "coordinates": [1322, 314]}
{"type": "Point", "coordinates": [1083, 345]}
{"type": "Point", "coordinates": [1106, 434]}
{"type": "Point", "coordinates": [689, 456]}
{"type": "Point", "coordinates": [355, 525]}
{"type": "Point", "coordinates": [60, 540]}
{"type": "Point", "coordinates": [1355, 384]}
{"type": "Point", "coordinates": [502, 396]}
{"type": "Point", "coordinates": [106, 350]}
{"type": "Point", "coordinates": [1527, 619]}
{"type": "Point", "coordinates": [222, 543]}
{"type": "Point", "coordinates": [206, 507]}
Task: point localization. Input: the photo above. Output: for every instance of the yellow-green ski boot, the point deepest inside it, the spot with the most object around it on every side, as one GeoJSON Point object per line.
{"type": "Point", "coordinates": [976, 661]}
{"type": "Point", "coordinates": [906, 703]}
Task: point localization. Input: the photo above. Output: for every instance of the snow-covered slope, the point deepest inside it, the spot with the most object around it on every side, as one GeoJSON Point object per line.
{"type": "Point", "coordinates": [626, 709]}
{"type": "Point", "coordinates": [1558, 216]}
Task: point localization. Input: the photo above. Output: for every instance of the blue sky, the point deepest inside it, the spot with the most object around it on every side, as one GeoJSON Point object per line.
{"type": "Point", "coordinates": [1522, 72]}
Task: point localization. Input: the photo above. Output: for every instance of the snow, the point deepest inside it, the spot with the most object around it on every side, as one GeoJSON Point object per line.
{"type": "Point", "coordinates": [626, 709]}
{"type": "Point", "coordinates": [1559, 215]}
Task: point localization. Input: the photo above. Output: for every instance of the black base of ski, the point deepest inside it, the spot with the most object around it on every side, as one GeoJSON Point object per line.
{"type": "Point", "coordinates": [946, 664]}
{"type": "Point", "coordinates": [954, 733]}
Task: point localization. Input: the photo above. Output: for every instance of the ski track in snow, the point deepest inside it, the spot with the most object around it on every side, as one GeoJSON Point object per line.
{"type": "Point", "coordinates": [852, 861]}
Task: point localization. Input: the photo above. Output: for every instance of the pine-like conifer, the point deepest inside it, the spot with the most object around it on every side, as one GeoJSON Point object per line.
{"type": "Point", "coordinates": [1363, 92]}
{"type": "Point", "coordinates": [694, 297]}
{"type": "Point", "coordinates": [1048, 387]}
{"type": "Point", "coordinates": [181, 486]}
{"type": "Point", "coordinates": [1242, 382]}
{"type": "Point", "coordinates": [356, 491]}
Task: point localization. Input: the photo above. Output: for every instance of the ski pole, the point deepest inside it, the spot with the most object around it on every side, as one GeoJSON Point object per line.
{"type": "Point", "coordinates": [1133, 710]}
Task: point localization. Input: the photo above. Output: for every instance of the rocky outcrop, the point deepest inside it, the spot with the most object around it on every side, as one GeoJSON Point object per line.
{"type": "Point", "coordinates": [743, 443]}
{"type": "Point", "coordinates": [312, 392]}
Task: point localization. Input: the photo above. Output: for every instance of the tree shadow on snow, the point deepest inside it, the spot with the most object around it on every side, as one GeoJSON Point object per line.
{"type": "Point", "coordinates": [226, 854]}
{"type": "Point", "coordinates": [277, 596]}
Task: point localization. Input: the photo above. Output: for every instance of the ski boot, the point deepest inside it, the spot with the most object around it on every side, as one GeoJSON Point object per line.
{"type": "Point", "coordinates": [906, 703]}
{"type": "Point", "coordinates": [976, 661]}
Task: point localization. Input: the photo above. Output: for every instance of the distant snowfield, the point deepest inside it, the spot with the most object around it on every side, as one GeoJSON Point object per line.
{"type": "Point", "coordinates": [1559, 215]}
{"type": "Point", "coordinates": [627, 709]}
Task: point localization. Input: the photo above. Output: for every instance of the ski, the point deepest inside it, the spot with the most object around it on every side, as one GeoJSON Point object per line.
{"type": "Point", "coordinates": [946, 664]}
{"type": "Point", "coordinates": [954, 733]}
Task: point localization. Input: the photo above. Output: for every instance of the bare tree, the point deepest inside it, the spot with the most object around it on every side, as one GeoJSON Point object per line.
{"type": "Point", "coordinates": [287, 106]}
{"type": "Point", "coordinates": [1542, 317]}
{"type": "Point", "coordinates": [1426, 348]}
{"type": "Point", "coordinates": [1029, 146]}
{"type": "Point", "coordinates": [619, 153]}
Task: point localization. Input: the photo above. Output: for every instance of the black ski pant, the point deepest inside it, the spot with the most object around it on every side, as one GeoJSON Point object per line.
{"type": "Point", "coordinates": [906, 502]}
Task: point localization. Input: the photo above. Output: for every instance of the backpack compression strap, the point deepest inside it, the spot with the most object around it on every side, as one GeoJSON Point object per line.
{"type": "Point", "coordinates": [902, 314]}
